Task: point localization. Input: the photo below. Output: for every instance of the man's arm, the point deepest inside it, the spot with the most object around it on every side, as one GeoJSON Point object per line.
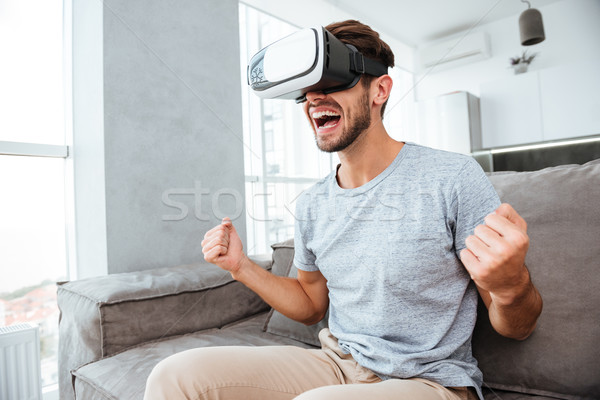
{"type": "Point", "coordinates": [304, 299]}
{"type": "Point", "coordinates": [495, 259]}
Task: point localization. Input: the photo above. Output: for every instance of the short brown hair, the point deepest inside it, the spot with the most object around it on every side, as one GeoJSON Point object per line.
{"type": "Point", "coordinates": [367, 41]}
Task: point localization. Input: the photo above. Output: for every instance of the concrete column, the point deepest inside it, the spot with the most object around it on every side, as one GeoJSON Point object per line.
{"type": "Point", "coordinates": [172, 134]}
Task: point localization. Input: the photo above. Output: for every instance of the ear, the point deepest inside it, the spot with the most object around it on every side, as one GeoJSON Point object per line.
{"type": "Point", "coordinates": [381, 88]}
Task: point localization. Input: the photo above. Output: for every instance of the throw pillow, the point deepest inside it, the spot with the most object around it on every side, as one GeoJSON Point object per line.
{"type": "Point", "coordinates": [279, 324]}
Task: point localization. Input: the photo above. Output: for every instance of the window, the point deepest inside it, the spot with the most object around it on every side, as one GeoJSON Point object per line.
{"type": "Point", "coordinates": [281, 157]}
{"type": "Point", "coordinates": [33, 164]}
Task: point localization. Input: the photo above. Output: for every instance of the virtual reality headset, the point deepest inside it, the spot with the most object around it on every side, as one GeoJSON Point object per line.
{"type": "Point", "coordinates": [310, 60]}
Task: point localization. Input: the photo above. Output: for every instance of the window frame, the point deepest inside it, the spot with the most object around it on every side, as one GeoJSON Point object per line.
{"type": "Point", "coordinates": [257, 173]}
{"type": "Point", "coordinates": [33, 149]}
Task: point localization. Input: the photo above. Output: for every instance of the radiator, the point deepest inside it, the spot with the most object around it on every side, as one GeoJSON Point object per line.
{"type": "Point", "coordinates": [20, 371]}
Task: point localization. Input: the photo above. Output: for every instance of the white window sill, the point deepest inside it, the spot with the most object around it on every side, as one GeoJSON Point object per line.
{"type": "Point", "coordinates": [50, 392]}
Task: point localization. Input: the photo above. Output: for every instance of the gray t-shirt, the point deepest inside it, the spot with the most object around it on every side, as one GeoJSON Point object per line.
{"type": "Point", "coordinates": [401, 301]}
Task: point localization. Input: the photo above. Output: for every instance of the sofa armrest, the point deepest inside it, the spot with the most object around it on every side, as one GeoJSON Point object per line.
{"type": "Point", "coordinates": [102, 316]}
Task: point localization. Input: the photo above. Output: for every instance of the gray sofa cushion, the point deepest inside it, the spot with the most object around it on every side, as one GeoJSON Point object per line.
{"type": "Point", "coordinates": [277, 323]}
{"type": "Point", "coordinates": [560, 359]}
{"type": "Point", "coordinates": [123, 376]}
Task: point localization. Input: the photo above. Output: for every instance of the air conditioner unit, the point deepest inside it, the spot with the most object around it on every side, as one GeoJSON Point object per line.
{"type": "Point", "coordinates": [459, 50]}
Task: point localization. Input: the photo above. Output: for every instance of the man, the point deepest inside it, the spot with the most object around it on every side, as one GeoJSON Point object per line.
{"type": "Point", "coordinates": [395, 243]}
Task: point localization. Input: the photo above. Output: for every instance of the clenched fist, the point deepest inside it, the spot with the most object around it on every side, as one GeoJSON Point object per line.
{"type": "Point", "coordinates": [222, 246]}
{"type": "Point", "coordinates": [495, 253]}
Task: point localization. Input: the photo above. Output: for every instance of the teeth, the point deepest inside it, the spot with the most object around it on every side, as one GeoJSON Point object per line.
{"type": "Point", "coordinates": [321, 114]}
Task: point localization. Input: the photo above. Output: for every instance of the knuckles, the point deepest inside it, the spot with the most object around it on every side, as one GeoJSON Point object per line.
{"type": "Point", "coordinates": [480, 230]}
{"type": "Point", "coordinates": [504, 209]}
{"type": "Point", "coordinates": [521, 240]}
{"type": "Point", "coordinates": [469, 240]}
{"type": "Point", "coordinates": [488, 219]}
{"type": "Point", "coordinates": [208, 257]}
{"type": "Point", "coordinates": [524, 225]}
{"type": "Point", "coordinates": [214, 237]}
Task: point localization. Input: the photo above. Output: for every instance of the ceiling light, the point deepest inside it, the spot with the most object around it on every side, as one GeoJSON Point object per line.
{"type": "Point", "coordinates": [531, 26]}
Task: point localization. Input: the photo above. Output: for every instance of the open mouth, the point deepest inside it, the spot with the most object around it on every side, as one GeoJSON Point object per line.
{"type": "Point", "coordinates": [325, 119]}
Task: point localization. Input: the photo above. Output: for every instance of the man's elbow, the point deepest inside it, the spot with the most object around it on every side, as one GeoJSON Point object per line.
{"type": "Point", "coordinates": [520, 335]}
{"type": "Point", "coordinates": [314, 319]}
{"type": "Point", "coordinates": [513, 332]}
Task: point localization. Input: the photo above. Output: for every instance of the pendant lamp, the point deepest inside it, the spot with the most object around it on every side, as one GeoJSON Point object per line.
{"type": "Point", "coordinates": [531, 26]}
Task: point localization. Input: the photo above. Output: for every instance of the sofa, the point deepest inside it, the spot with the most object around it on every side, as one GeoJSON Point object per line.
{"type": "Point", "coordinates": [114, 329]}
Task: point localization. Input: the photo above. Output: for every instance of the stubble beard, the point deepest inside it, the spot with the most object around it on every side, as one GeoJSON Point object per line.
{"type": "Point", "coordinates": [357, 126]}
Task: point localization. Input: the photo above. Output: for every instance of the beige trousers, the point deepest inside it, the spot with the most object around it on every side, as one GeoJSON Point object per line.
{"type": "Point", "coordinates": [283, 373]}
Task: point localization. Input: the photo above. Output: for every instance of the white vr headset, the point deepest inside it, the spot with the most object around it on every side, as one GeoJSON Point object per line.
{"type": "Point", "coordinates": [310, 60]}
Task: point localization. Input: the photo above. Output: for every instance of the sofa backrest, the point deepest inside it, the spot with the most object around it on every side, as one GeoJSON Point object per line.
{"type": "Point", "coordinates": [560, 359]}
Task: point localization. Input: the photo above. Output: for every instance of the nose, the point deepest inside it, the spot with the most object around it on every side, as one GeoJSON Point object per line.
{"type": "Point", "coordinates": [311, 97]}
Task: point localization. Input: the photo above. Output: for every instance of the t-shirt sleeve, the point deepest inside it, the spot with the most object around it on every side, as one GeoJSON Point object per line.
{"type": "Point", "coordinates": [474, 198]}
{"type": "Point", "coordinates": [304, 258]}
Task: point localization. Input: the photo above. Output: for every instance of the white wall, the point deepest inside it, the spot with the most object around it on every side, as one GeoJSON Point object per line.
{"type": "Point", "coordinates": [572, 35]}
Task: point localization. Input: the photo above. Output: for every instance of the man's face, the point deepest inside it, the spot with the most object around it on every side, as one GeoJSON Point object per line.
{"type": "Point", "coordinates": [339, 118]}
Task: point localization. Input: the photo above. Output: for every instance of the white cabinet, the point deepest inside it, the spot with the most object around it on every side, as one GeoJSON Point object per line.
{"type": "Point", "coordinates": [570, 100]}
{"type": "Point", "coordinates": [449, 122]}
{"type": "Point", "coordinates": [511, 111]}
{"type": "Point", "coordinates": [550, 104]}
